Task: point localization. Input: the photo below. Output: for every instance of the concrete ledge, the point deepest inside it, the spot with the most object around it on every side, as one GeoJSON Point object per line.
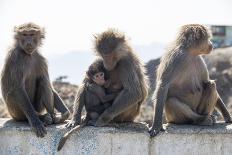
{"type": "Point", "coordinates": [17, 138]}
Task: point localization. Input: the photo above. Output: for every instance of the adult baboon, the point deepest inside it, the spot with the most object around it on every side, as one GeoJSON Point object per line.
{"type": "Point", "coordinates": [93, 97]}
{"type": "Point", "coordinates": [25, 83]}
{"type": "Point", "coordinates": [126, 73]}
{"type": "Point", "coordinates": [183, 85]}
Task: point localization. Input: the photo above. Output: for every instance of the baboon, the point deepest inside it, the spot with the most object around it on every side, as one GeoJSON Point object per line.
{"type": "Point", "coordinates": [126, 74]}
{"type": "Point", "coordinates": [184, 88]}
{"type": "Point", "coordinates": [25, 83]}
{"type": "Point", "coordinates": [94, 97]}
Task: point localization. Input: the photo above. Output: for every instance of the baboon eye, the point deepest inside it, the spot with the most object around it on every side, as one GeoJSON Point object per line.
{"type": "Point", "coordinates": [24, 34]}
{"type": "Point", "coordinates": [101, 74]}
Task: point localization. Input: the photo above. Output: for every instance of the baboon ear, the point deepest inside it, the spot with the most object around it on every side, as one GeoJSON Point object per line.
{"type": "Point", "coordinates": [87, 75]}
{"type": "Point", "coordinates": [42, 32]}
{"type": "Point", "coordinates": [16, 32]}
{"type": "Point", "coordinates": [15, 28]}
{"type": "Point", "coordinates": [95, 36]}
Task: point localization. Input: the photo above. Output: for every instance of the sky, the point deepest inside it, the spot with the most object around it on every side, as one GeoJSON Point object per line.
{"type": "Point", "coordinates": [71, 24]}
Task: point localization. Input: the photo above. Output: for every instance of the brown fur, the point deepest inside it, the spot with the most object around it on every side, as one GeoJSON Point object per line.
{"type": "Point", "coordinates": [181, 76]}
{"type": "Point", "coordinates": [126, 73]}
{"type": "Point", "coordinates": [25, 83]}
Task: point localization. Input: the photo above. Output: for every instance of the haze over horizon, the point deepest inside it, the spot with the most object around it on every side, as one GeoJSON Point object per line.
{"type": "Point", "coordinates": [70, 26]}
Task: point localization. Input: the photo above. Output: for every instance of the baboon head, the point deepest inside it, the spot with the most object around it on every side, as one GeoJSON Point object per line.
{"type": "Point", "coordinates": [111, 46]}
{"type": "Point", "coordinates": [29, 36]}
{"type": "Point", "coordinates": [96, 73]}
{"type": "Point", "coordinates": [195, 37]}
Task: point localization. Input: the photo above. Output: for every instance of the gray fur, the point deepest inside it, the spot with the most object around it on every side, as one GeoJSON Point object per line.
{"type": "Point", "coordinates": [26, 86]}
{"type": "Point", "coordinates": [127, 75]}
{"type": "Point", "coordinates": [180, 79]}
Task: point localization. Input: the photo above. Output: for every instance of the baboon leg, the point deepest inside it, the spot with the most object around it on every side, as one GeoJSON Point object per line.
{"type": "Point", "coordinates": [129, 115]}
{"type": "Point", "coordinates": [44, 96]}
{"type": "Point", "coordinates": [44, 100]}
{"type": "Point", "coordinates": [208, 100]}
{"type": "Point", "coordinates": [61, 107]}
{"type": "Point", "coordinates": [180, 113]}
{"type": "Point", "coordinates": [20, 98]}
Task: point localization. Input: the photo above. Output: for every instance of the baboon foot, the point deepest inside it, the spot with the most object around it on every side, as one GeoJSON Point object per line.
{"type": "Point", "coordinates": [208, 121]}
{"type": "Point", "coordinates": [153, 132]}
{"type": "Point", "coordinates": [103, 121]}
{"type": "Point", "coordinates": [38, 127]}
{"type": "Point", "coordinates": [46, 119]}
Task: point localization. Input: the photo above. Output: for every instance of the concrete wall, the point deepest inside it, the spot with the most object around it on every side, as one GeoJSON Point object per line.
{"type": "Point", "coordinates": [17, 139]}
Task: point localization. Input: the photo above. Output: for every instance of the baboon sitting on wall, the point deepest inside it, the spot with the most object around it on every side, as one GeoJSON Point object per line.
{"type": "Point", "coordinates": [126, 74]}
{"type": "Point", "coordinates": [25, 82]}
{"type": "Point", "coordinates": [184, 88]}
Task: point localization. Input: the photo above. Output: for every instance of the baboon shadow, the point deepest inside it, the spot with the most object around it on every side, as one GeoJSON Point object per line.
{"type": "Point", "coordinates": [14, 123]}
{"type": "Point", "coordinates": [219, 127]}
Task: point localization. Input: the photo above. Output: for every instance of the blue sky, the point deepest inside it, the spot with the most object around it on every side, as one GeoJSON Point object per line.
{"type": "Point", "coordinates": [70, 24]}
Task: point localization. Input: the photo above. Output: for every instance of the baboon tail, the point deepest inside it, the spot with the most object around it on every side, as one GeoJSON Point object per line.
{"type": "Point", "coordinates": [67, 135]}
{"type": "Point", "coordinates": [62, 142]}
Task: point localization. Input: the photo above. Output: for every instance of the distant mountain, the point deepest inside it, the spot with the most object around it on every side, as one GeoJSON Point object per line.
{"type": "Point", "coordinates": [74, 63]}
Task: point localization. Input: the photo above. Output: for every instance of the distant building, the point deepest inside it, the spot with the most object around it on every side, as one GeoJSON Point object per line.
{"type": "Point", "coordinates": [222, 36]}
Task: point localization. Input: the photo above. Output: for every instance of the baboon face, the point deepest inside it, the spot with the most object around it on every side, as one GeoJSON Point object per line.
{"type": "Point", "coordinates": [99, 78]}
{"type": "Point", "coordinates": [29, 36]}
{"type": "Point", "coordinates": [28, 41]}
{"type": "Point", "coordinates": [110, 60]}
{"type": "Point", "coordinates": [206, 47]}
{"type": "Point", "coordinates": [109, 45]}
{"type": "Point", "coordinates": [195, 37]}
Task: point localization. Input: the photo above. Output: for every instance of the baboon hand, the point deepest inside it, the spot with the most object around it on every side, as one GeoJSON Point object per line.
{"type": "Point", "coordinates": [228, 119]}
{"type": "Point", "coordinates": [153, 132]}
{"type": "Point", "coordinates": [38, 128]}
{"type": "Point", "coordinates": [60, 118]}
{"type": "Point", "coordinates": [72, 123]}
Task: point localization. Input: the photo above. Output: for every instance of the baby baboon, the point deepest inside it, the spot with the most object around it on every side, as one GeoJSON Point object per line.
{"type": "Point", "coordinates": [126, 73]}
{"type": "Point", "coordinates": [95, 99]}
{"type": "Point", "coordinates": [25, 83]}
{"type": "Point", "coordinates": [183, 87]}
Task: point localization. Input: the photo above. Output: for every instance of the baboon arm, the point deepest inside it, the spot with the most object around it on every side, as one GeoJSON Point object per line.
{"type": "Point", "coordinates": [164, 79]}
{"type": "Point", "coordinates": [100, 92]}
{"type": "Point", "coordinates": [79, 104]}
{"type": "Point", "coordinates": [20, 97]}
{"type": "Point", "coordinates": [159, 99]}
{"type": "Point", "coordinates": [129, 96]}
{"type": "Point", "coordinates": [59, 104]}
{"type": "Point", "coordinates": [220, 105]}
{"type": "Point", "coordinates": [108, 98]}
